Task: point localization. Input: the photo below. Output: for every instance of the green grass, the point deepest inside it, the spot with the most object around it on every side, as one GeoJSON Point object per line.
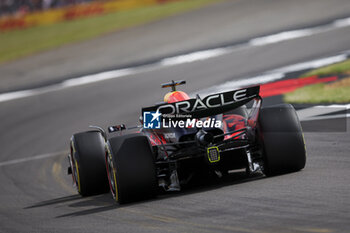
{"type": "Point", "coordinates": [17, 44]}
{"type": "Point", "coordinates": [338, 68]}
{"type": "Point", "coordinates": [318, 93]}
{"type": "Point", "coordinates": [337, 92]}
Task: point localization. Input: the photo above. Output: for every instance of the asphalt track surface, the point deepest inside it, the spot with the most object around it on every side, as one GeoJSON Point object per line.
{"type": "Point", "coordinates": [37, 195]}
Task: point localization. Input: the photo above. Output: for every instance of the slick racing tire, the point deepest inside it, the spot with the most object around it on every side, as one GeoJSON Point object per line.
{"type": "Point", "coordinates": [88, 164]}
{"type": "Point", "coordinates": [131, 168]}
{"type": "Point", "coordinates": [282, 140]}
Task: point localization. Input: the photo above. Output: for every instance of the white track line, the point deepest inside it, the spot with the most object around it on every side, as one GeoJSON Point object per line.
{"type": "Point", "coordinates": [316, 111]}
{"type": "Point", "coordinates": [43, 156]}
{"type": "Point", "coordinates": [314, 64]}
{"type": "Point", "coordinates": [178, 60]}
{"type": "Point", "coordinates": [337, 116]}
{"type": "Point", "coordinates": [273, 75]}
{"type": "Point", "coordinates": [294, 34]}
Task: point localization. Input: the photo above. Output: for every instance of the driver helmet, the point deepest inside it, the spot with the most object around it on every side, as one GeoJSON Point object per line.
{"type": "Point", "coordinates": [175, 96]}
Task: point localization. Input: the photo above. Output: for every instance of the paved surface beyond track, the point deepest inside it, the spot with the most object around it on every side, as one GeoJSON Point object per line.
{"type": "Point", "coordinates": [37, 196]}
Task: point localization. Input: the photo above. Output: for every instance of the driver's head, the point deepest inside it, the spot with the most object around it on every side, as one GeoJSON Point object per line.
{"type": "Point", "coordinates": [175, 96]}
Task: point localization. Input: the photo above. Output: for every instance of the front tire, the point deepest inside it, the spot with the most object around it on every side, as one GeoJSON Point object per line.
{"type": "Point", "coordinates": [88, 164]}
{"type": "Point", "coordinates": [282, 140]}
{"type": "Point", "coordinates": [131, 168]}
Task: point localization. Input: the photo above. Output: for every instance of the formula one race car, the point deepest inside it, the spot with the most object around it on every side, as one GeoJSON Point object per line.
{"type": "Point", "coordinates": [181, 138]}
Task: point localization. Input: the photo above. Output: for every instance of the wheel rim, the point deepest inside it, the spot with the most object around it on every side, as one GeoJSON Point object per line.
{"type": "Point", "coordinates": [76, 175]}
{"type": "Point", "coordinates": [75, 170]}
{"type": "Point", "coordinates": [111, 176]}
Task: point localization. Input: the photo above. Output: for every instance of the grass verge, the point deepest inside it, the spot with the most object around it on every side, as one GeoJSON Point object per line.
{"type": "Point", "coordinates": [17, 44]}
{"type": "Point", "coordinates": [336, 92]}
{"type": "Point", "coordinates": [334, 69]}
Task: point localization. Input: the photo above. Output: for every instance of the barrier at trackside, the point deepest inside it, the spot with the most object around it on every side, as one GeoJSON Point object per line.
{"type": "Point", "coordinates": [18, 22]}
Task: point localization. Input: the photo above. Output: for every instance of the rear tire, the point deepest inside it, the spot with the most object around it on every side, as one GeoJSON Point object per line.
{"type": "Point", "coordinates": [88, 164]}
{"type": "Point", "coordinates": [282, 140]}
{"type": "Point", "coordinates": [131, 168]}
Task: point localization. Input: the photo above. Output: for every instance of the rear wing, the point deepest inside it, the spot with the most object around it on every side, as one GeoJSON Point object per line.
{"type": "Point", "coordinates": [209, 106]}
